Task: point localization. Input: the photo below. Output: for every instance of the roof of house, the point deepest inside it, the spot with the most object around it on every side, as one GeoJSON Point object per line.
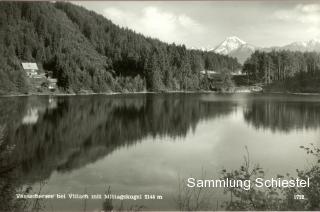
{"type": "Point", "coordinates": [208, 71]}
{"type": "Point", "coordinates": [53, 80]}
{"type": "Point", "coordinates": [28, 66]}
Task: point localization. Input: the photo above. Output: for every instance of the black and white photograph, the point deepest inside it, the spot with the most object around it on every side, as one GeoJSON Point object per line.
{"type": "Point", "coordinates": [160, 105]}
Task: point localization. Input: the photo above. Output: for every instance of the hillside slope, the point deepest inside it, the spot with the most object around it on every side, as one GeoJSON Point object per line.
{"type": "Point", "coordinates": [38, 32]}
{"type": "Point", "coordinates": [85, 51]}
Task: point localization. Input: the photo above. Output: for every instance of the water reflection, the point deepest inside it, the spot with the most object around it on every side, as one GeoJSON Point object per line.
{"type": "Point", "coordinates": [66, 133]}
{"type": "Point", "coordinates": [80, 130]}
{"type": "Point", "coordinates": [283, 116]}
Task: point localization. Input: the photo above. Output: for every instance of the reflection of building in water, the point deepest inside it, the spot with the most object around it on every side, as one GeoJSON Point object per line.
{"type": "Point", "coordinates": [31, 117]}
{"type": "Point", "coordinates": [52, 103]}
{"type": "Point", "coordinates": [36, 107]}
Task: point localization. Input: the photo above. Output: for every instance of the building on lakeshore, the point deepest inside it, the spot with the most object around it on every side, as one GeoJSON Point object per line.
{"type": "Point", "coordinates": [38, 77]}
{"type": "Point", "coordinates": [52, 83]}
{"type": "Point", "coordinates": [209, 72]}
{"type": "Point", "coordinates": [32, 70]}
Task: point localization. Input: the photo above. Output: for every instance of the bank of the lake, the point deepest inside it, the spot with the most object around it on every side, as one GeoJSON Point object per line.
{"type": "Point", "coordinates": [105, 93]}
{"type": "Point", "coordinates": [237, 89]}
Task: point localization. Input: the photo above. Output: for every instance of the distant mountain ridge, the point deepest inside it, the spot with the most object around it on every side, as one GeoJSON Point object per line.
{"type": "Point", "coordinates": [304, 46]}
{"type": "Point", "coordinates": [235, 47]}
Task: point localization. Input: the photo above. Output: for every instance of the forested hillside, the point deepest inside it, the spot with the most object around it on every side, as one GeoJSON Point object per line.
{"type": "Point", "coordinates": [285, 70]}
{"type": "Point", "coordinates": [85, 51]}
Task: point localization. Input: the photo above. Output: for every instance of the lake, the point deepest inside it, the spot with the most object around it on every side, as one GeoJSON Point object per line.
{"type": "Point", "coordinates": [147, 143]}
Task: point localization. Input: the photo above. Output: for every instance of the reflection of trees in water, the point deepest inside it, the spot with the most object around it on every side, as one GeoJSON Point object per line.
{"type": "Point", "coordinates": [282, 115]}
{"type": "Point", "coordinates": [7, 187]}
{"type": "Point", "coordinates": [10, 181]}
{"type": "Point", "coordinates": [80, 130]}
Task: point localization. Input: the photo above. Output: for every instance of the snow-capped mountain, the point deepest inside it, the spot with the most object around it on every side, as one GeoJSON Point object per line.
{"type": "Point", "coordinates": [235, 47]}
{"type": "Point", "coordinates": [228, 45]}
{"type": "Point", "coordinates": [305, 46]}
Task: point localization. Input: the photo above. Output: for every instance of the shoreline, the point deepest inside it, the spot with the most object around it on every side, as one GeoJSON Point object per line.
{"type": "Point", "coordinates": [239, 91]}
{"type": "Point", "coordinates": [151, 92]}
{"type": "Point", "coordinates": [107, 94]}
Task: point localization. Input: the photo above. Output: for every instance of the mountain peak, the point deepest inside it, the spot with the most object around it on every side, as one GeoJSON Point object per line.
{"type": "Point", "coordinates": [235, 47]}
{"type": "Point", "coordinates": [229, 44]}
{"type": "Point", "coordinates": [234, 39]}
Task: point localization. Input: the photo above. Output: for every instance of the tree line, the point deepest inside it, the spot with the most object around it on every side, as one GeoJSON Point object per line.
{"type": "Point", "coordinates": [86, 51]}
{"type": "Point", "coordinates": [286, 67]}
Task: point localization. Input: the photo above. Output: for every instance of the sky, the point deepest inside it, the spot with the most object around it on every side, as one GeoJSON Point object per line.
{"type": "Point", "coordinates": [205, 24]}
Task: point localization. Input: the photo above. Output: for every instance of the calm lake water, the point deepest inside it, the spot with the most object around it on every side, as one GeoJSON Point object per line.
{"type": "Point", "coordinates": [143, 144]}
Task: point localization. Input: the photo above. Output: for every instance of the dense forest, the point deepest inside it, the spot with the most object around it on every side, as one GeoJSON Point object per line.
{"type": "Point", "coordinates": [285, 70]}
{"type": "Point", "coordinates": [86, 51]}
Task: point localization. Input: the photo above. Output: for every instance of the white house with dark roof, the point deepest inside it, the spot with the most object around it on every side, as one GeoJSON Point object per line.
{"type": "Point", "coordinates": [38, 76]}
{"type": "Point", "coordinates": [31, 69]}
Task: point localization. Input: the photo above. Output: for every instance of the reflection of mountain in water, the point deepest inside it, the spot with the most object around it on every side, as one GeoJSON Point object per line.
{"type": "Point", "coordinates": [80, 130]}
{"type": "Point", "coordinates": [283, 116]}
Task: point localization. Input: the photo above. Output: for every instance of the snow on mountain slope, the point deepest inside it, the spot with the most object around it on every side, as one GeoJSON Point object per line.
{"type": "Point", "coordinates": [229, 44]}
{"type": "Point", "coordinates": [235, 47]}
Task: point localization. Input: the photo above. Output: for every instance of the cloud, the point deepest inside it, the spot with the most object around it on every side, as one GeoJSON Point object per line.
{"type": "Point", "coordinates": [307, 15]}
{"type": "Point", "coordinates": [303, 13]}
{"type": "Point", "coordinates": [309, 8]}
{"type": "Point", "coordinates": [115, 14]}
{"type": "Point", "coordinates": [156, 23]}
